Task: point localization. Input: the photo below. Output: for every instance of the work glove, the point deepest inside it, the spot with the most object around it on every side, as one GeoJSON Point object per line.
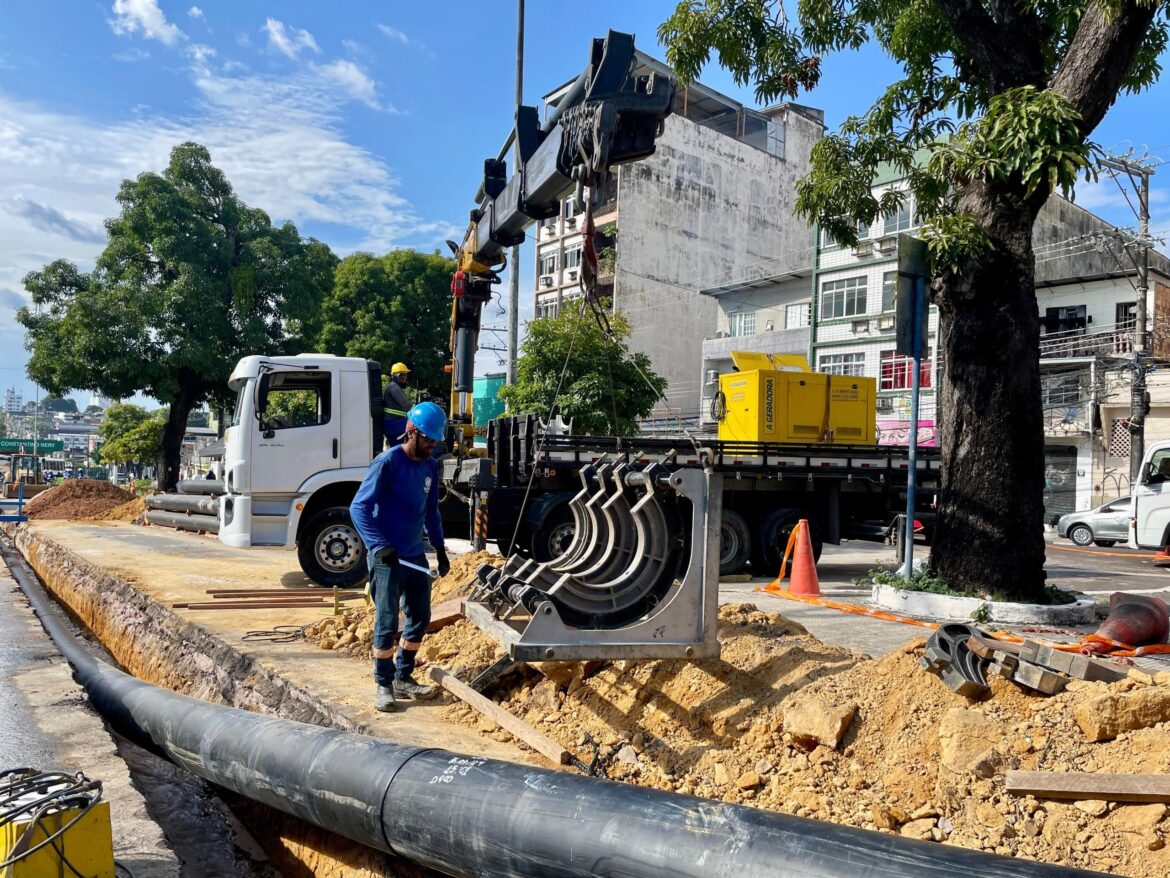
{"type": "Point", "coordinates": [444, 564]}
{"type": "Point", "coordinates": [387, 556]}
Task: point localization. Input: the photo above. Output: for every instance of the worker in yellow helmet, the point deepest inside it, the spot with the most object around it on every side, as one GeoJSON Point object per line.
{"type": "Point", "coordinates": [396, 405]}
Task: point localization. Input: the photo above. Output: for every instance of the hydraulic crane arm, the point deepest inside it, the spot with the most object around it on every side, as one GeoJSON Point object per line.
{"type": "Point", "coordinates": [609, 116]}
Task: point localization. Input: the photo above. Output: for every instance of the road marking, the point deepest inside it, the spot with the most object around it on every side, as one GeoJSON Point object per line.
{"type": "Point", "coordinates": [1101, 554]}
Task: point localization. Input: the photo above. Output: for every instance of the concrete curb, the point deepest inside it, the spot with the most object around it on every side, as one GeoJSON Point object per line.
{"type": "Point", "coordinates": [924, 605]}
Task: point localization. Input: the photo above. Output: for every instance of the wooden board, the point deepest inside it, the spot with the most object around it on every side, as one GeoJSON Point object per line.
{"type": "Point", "coordinates": [252, 605]}
{"type": "Point", "coordinates": [444, 614]}
{"type": "Point", "coordinates": [539, 742]}
{"type": "Point", "coordinates": [1089, 785]}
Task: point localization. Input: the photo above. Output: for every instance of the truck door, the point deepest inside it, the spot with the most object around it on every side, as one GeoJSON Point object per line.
{"type": "Point", "coordinates": [1151, 499]}
{"type": "Point", "coordinates": [298, 434]}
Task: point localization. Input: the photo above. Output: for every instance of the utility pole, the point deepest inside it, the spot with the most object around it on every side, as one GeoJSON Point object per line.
{"type": "Point", "coordinates": [514, 260]}
{"type": "Point", "coordinates": [1139, 172]}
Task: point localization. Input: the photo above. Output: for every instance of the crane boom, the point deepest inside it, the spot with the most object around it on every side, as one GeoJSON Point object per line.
{"type": "Point", "coordinates": [608, 117]}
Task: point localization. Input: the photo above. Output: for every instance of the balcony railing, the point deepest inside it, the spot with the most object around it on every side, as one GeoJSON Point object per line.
{"type": "Point", "coordinates": [1111, 342]}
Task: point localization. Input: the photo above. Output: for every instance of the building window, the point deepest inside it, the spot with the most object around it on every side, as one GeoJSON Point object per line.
{"type": "Point", "coordinates": [1065, 390]}
{"type": "Point", "coordinates": [862, 230]}
{"type": "Point", "coordinates": [889, 291]}
{"type": "Point", "coordinates": [572, 257]}
{"type": "Point", "coordinates": [1126, 315]}
{"type": "Point", "coordinates": [842, 364]}
{"type": "Point", "coordinates": [742, 323]}
{"type": "Point", "coordinates": [547, 264]}
{"type": "Point", "coordinates": [1070, 320]}
{"type": "Point", "coordinates": [827, 240]}
{"type": "Point", "coordinates": [796, 316]}
{"type": "Point", "coordinates": [843, 298]}
{"type": "Point", "coordinates": [898, 371]}
{"type": "Point", "coordinates": [546, 307]}
{"type": "Point", "coordinates": [776, 138]}
{"type": "Point", "coordinates": [901, 219]}
{"type": "Point", "coordinates": [569, 210]}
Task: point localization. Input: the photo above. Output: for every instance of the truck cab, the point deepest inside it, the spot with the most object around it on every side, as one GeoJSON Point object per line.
{"type": "Point", "coordinates": [301, 436]}
{"type": "Point", "coordinates": [1150, 527]}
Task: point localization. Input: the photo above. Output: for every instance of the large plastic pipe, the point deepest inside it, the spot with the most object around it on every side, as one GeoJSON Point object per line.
{"type": "Point", "coordinates": [470, 816]}
{"type": "Point", "coordinates": [184, 503]}
{"type": "Point", "coordinates": [198, 523]}
{"type": "Point", "coordinates": [200, 486]}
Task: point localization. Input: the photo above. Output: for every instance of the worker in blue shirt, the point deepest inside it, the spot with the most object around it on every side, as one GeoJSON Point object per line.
{"type": "Point", "coordinates": [400, 494]}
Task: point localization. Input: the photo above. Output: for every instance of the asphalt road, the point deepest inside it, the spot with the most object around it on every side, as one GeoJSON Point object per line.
{"type": "Point", "coordinates": [1104, 570]}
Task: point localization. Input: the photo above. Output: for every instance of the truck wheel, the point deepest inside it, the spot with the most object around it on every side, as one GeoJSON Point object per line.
{"type": "Point", "coordinates": [330, 550]}
{"type": "Point", "coordinates": [1081, 534]}
{"type": "Point", "coordinates": [735, 543]}
{"type": "Point", "coordinates": [554, 535]}
{"type": "Point", "coordinates": [774, 532]}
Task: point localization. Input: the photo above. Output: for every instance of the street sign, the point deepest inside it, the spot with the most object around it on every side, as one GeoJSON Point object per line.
{"type": "Point", "coordinates": [913, 267]}
{"type": "Point", "coordinates": [25, 446]}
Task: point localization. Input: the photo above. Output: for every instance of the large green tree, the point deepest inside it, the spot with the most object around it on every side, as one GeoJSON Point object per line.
{"type": "Point", "coordinates": [393, 308]}
{"type": "Point", "coordinates": [1001, 99]}
{"type": "Point", "coordinates": [67, 404]}
{"type": "Point", "coordinates": [191, 280]}
{"type": "Point", "coordinates": [593, 379]}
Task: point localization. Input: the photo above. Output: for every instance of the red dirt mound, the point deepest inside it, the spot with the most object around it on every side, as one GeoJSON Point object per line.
{"type": "Point", "coordinates": [76, 499]}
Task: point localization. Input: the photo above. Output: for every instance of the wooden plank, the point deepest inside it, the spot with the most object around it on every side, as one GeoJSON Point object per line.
{"type": "Point", "coordinates": [311, 592]}
{"type": "Point", "coordinates": [291, 595]}
{"type": "Point", "coordinates": [442, 615]}
{"type": "Point", "coordinates": [249, 605]}
{"type": "Point", "coordinates": [539, 742]}
{"type": "Point", "coordinates": [1089, 785]}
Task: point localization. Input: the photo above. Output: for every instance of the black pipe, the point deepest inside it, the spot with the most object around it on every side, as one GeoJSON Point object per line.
{"type": "Point", "coordinates": [471, 816]}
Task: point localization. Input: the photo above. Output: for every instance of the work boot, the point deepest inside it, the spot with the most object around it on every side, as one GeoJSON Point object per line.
{"type": "Point", "coordinates": [384, 699]}
{"type": "Point", "coordinates": [406, 687]}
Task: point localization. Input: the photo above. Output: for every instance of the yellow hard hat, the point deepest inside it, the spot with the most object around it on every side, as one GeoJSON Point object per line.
{"type": "Point", "coordinates": [399, 368]}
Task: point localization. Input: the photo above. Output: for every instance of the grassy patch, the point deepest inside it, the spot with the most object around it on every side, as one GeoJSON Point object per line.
{"type": "Point", "coordinates": [923, 579]}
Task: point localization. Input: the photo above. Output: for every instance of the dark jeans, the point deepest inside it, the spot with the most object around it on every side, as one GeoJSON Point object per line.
{"type": "Point", "coordinates": [392, 586]}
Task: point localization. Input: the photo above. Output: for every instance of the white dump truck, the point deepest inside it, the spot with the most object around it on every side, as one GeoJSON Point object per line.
{"type": "Point", "coordinates": [1150, 521]}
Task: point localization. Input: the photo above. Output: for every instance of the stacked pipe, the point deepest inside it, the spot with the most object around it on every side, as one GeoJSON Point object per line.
{"type": "Point", "coordinates": [194, 508]}
{"type": "Point", "coordinates": [624, 556]}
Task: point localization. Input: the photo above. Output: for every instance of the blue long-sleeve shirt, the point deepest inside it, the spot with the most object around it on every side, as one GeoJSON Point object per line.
{"type": "Point", "coordinates": [397, 496]}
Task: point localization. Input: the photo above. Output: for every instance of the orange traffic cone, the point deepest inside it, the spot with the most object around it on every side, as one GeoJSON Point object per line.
{"type": "Point", "coordinates": [804, 566]}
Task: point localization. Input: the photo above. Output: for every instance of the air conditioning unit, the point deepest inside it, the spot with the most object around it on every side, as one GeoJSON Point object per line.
{"type": "Point", "coordinates": [863, 248]}
{"type": "Point", "coordinates": [888, 244]}
{"type": "Point", "coordinates": [571, 276]}
{"type": "Point", "coordinates": [546, 280]}
{"type": "Point", "coordinates": [571, 222]}
{"type": "Point", "coordinates": [885, 403]}
{"type": "Point", "coordinates": [886, 324]}
{"type": "Point", "coordinates": [861, 326]}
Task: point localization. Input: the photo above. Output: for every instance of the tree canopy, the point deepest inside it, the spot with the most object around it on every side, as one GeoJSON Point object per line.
{"type": "Point", "coordinates": [602, 388]}
{"type": "Point", "coordinates": [58, 404]}
{"type": "Point", "coordinates": [991, 115]}
{"type": "Point", "coordinates": [191, 280]}
{"type": "Point", "coordinates": [130, 435]}
{"type": "Point", "coordinates": [393, 308]}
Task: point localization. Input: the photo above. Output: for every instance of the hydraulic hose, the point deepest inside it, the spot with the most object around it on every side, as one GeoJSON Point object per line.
{"type": "Point", "coordinates": [471, 816]}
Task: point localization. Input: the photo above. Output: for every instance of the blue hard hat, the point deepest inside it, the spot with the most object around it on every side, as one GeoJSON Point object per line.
{"type": "Point", "coordinates": [430, 420]}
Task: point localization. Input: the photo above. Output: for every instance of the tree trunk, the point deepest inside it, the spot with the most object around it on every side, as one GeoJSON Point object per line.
{"type": "Point", "coordinates": [989, 536]}
{"type": "Point", "coordinates": [170, 454]}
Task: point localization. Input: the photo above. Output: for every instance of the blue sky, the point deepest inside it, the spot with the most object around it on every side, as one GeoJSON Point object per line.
{"type": "Point", "coordinates": [366, 123]}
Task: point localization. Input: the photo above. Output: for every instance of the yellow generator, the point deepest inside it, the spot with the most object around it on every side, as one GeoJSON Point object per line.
{"type": "Point", "coordinates": [777, 398]}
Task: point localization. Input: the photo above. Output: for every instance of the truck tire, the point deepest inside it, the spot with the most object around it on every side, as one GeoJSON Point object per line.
{"type": "Point", "coordinates": [330, 550]}
{"type": "Point", "coordinates": [774, 531]}
{"type": "Point", "coordinates": [554, 535]}
{"type": "Point", "coordinates": [735, 543]}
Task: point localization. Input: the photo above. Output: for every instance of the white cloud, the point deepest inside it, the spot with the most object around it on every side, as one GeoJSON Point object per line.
{"type": "Point", "coordinates": [200, 52]}
{"type": "Point", "coordinates": [196, 12]}
{"type": "Point", "coordinates": [289, 41]}
{"type": "Point", "coordinates": [354, 47]}
{"type": "Point", "coordinates": [354, 82]}
{"type": "Point", "coordinates": [131, 56]}
{"type": "Point", "coordinates": [132, 16]}
{"type": "Point", "coordinates": [394, 34]}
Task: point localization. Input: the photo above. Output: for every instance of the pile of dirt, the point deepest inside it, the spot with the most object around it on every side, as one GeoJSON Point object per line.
{"type": "Point", "coordinates": [75, 499]}
{"type": "Point", "coordinates": [915, 758]}
{"type": "Point", "coordinates": [130, 511]}
{"type": "Point", "coordinates": [352, 633]}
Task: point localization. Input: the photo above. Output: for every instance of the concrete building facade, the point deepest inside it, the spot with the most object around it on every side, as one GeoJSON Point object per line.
{"type": "Point", "coordinates": [712, 208]}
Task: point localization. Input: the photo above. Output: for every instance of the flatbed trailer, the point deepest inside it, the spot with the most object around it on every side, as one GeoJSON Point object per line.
{"type": "Point", "coordinates": [530, 474]}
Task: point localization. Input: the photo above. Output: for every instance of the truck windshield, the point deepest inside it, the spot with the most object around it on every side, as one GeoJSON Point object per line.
{"type": "Point", "coordinates": [238, 412]}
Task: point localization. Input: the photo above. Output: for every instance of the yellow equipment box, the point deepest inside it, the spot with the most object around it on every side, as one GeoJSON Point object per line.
{"type": "Point", "coordinates": [88, 844]}
{"type": "Point", "coordinates": [787, 402]}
